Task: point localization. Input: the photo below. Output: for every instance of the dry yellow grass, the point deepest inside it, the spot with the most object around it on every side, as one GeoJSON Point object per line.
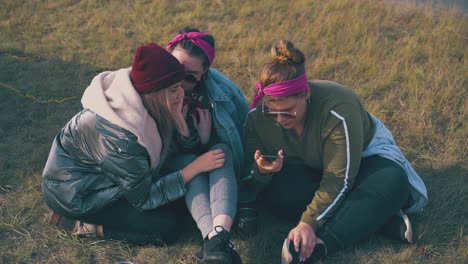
{"type": "Point", "coordinates": [408, 63]}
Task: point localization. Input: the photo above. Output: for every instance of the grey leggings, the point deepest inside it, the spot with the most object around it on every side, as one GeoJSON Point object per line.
{"type": "Point", "coordinates": [209, 194]}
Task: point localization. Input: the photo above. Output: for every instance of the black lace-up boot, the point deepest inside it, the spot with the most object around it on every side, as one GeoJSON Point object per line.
{"type": "Point", "coordinates": [219, 249]}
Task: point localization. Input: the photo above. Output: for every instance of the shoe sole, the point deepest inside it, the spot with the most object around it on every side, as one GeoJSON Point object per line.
{"type": "Point", "coordinates": [286, 257]}
{"type": "Point", "coordinates": [215, 261]}
{"type": "Point", "coordinates": [409, 230]}
{"type": "Point", "coordinates": [320, 251]}
{"type": "Point", "coordinates": [218, 261]}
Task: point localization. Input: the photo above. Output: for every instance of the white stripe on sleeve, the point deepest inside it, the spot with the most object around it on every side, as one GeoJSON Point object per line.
{"type": "Point", "coordinates": [345, 187]}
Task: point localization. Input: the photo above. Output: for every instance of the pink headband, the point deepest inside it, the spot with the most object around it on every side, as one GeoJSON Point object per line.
{"type": "Point", "coordinates": [195, 38]}
{"type": "Point", "coordinates": [289, 87]}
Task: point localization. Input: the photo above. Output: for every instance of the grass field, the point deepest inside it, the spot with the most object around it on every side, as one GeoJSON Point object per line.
{"type": "Point", "coordinates": [409, 65]}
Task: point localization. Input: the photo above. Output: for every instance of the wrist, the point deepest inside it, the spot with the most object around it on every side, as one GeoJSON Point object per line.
{"type": "Point", "coordinates": [189, 171]}
{"type": "Point", "coordinates": [263, 172]}
{"type": "Point", "coordinates": [309, 222]}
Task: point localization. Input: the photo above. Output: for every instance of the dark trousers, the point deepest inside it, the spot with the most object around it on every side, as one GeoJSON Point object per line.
{"type": "Point", "coordinates": [122, 221]}
{"type": "Point", "coordinates": [381, 189]}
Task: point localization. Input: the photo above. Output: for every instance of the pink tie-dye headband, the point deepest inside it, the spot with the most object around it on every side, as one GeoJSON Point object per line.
{"type": "Point", "coordinates": [289, 87]}
{"type": "Point", "coordinates": [195, 38]}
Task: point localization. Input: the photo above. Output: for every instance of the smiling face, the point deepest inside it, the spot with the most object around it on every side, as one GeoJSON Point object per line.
{"type": "Point", "coordinates": [193, 66]}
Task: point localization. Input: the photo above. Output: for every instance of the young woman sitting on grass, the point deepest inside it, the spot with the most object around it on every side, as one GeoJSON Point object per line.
{"type": "Point", "coordinates": [106, 167]}
{"type": "Point", "coordinates": [215, 111]}
{"type": "Point", "coordinates": [338, 171]}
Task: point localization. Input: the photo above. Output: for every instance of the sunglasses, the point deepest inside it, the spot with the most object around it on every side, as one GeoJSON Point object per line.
{"type": "Point", "coordinates": [191, 78]}
{"type": "Point", "coordinates": [275, 114]}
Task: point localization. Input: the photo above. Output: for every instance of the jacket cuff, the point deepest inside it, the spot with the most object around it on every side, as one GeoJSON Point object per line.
{"type": "Point", "coordinates": [311, 221]}
{"type": "Point", "coordinates": [174, 186]}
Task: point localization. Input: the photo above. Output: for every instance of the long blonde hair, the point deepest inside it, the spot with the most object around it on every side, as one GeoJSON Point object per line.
{"type": "Point", "coordinates": [158, 107]}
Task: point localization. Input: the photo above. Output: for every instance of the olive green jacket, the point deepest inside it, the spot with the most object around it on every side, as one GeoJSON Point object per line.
{"type": "Point", "coordinates": [336, 131]}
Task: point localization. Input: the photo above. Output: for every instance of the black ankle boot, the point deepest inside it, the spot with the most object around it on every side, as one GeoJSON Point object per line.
{"type": "Point", "coordinates": [219, 249]}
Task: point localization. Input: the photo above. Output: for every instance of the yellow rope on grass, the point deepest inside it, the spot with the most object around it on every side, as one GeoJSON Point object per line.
{"type": "Point", "coordinates": [25, 58]}
{"type": "Point", "coordinates": [58, 101]}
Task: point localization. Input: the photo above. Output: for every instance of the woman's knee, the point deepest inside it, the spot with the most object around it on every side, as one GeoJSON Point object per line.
{"type": "Point", "coordinates": [396, 178]}
{"type": "Point", "coordinates": [228, 156]}
{"type": "Point", "coordinates": [225, 148]}
{"type": "Point", "coordinates": [385, 177]}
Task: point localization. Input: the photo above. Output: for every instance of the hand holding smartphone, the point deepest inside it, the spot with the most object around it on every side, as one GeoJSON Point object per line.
{"type": "Point", "coordinates": [269, 158]}
{"type": "Point", "coordinates": [267, 163]}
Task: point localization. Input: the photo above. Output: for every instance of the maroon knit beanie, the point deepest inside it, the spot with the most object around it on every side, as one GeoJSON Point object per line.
{"type": "Point", "coordinates": [154, 68]}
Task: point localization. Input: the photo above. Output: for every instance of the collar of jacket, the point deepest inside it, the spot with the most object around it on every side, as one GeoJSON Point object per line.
{"type": "Point", "coordinates": [213, 81]}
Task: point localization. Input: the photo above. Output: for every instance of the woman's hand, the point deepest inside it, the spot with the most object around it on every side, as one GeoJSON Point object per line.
{"type": "Point", "coordinates": [204, 125]}
{"type": "Point", "coordinates": [303, 237]}
{"type": "Point", "coordinates": [210, 160]}
{"type": "Point", "coordinates": [179, 117]}
{"type": "Point", "coordinates": [206, 162]}
{"type": "Point", "coordinates": [265, 166]}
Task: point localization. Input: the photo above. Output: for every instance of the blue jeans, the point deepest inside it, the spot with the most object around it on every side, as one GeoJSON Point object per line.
{"type": "Point", "coordinates": [211, 193]}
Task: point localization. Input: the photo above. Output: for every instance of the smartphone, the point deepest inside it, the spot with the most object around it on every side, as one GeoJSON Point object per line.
{"type": "Point", "coordinates": [269, 158]}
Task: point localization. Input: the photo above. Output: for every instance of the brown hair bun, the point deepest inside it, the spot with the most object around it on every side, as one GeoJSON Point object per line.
{"type": "Point", "coordinates": [285, 52]}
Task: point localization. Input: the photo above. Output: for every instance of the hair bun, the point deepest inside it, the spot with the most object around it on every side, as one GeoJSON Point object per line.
{"type": "Point", "coordinates": [281, 55]}
{"type": "Point", "coordinates": [285, 52]}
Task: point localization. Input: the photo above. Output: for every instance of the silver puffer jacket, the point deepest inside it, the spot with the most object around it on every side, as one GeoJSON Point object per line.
{"type": "Point", "coordinates": [94, 162]}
